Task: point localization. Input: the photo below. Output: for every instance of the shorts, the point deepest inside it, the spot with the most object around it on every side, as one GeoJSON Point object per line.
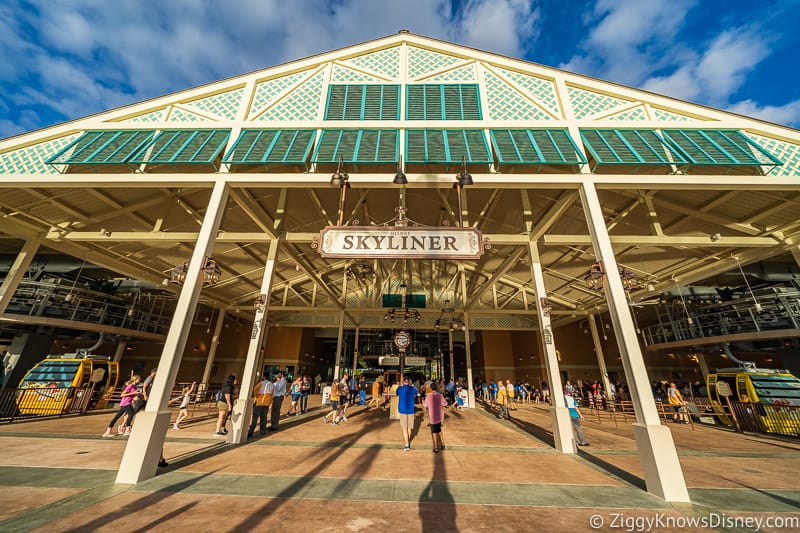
{"type": "Point", "coordinates": [334, 404]}
{"type": "Point", "coordinates": [222, 407]}
{"type": "Point", "coordinates": [436, 428]}
{"type": "Point", "coordinates": [406, 421]}
{"type": "Point", "coordinates": [295, 397]}
{"type": "Point", "coordinates": [678, 408]}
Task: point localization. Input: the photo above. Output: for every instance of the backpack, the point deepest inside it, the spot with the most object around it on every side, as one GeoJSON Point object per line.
{"type": "Point", "coordinates": [220, 397]}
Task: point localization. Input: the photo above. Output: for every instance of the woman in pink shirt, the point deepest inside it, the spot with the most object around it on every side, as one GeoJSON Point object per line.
{"type": "Point", "coordinates": [435, 404]}
{"type": "Point", "coordinates": [125, 408]}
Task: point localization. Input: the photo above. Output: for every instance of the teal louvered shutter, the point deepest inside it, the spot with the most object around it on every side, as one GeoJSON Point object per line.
{"type": "Point", "coordinates": [103, 147]}
{"type": "Point", "coordinates": [629, 147]}
{"type": "Point", "coordinates": [184, 146]}
{"type": "Point", "coordinates": [335, 106]}
{"type": "Point", "coordinates": [415, 102]}
{"type": "Point", "coordinates": [719, 147]}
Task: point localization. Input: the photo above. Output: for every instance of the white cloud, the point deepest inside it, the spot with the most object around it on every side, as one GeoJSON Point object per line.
{"type": "Point", "coordinates": [486, 24]}
{"type": "Point", "coordinates": [727, 61]}
{"type": "Point", "coordinates": [788, 114]}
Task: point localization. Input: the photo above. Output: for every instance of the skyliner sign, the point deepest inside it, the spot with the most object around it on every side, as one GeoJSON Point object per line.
{"type": "Point", "coordinates": [393, 242]}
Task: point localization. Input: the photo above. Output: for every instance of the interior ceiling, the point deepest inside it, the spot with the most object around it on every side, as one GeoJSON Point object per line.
{"type": "Point", "coordinates": [664, 236]}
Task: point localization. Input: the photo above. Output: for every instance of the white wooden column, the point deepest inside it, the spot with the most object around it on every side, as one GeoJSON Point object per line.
{"type": "Point", "coordinates": [17, 272]}
{"type": "Point", "coordinates": [467, 344]}
{"type": "Point", "coordinates": [355, 352]}
{"type": "Point", "coordinates": [212, 351]}
{"type": "Point", "coordinates": [601, 361]}
{"type": "Point", "coordinates": [659, 459]}
{"type": "Point", "coordinates": [563, 439]}
{"type": "Point", "coordinates": [243, 407]}
{"type": "Point", "coordinates": [338, 364]}
{"type": "Point", "coordinates": [144, 447]}
{"type": "Point", "coordinates": [452, 362]}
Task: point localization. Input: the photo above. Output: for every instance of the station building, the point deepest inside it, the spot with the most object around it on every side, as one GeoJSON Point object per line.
{"type": "Point", "coordinates": [516, 221]}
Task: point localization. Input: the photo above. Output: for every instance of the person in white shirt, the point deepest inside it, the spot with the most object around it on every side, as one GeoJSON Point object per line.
{"type": "Point", "coordinates": [277, 400]}
{"type": "Point", "coordinates": [576, 416]}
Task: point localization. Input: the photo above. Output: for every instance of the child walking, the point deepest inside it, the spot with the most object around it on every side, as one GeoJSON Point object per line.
{"type": "Point", "coordinates": [185, 399]}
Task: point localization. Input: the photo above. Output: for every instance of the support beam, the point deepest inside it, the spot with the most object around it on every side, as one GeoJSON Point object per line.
{"type": "Point", "coordinates": [662, 469]}
{"type": "Point", "coordinates": [144, 447]}
{"type": "Point", "coordinates": [17, 272]}
{"type": "Point", "coordinates": [243, 407]}
{"type": "Point", "coordinates": [601, 361]}
{"type": "Point", "coordinates": [666, 241]}
{"type": "Point", "coordinates": [563, 438]}
{"type": "Point", "coordinates": [467, 344]}
{"type": "Point", "coordinates": [212, 351]}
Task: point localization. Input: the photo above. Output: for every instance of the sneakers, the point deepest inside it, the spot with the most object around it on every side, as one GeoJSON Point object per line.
{"type": "Point", "coordinates": [175, 426]}
{"type": "Point", "coordinates": [407, 448]}
{"type": "Point", "coordinates": [107, 435]}
{"type": "Point", "coordinates": [218, 434]}
{"type": "Point", "coordinates": [441, 447]}
{"type": "Point", "coordinates": [127, 432]}
{"type": "Point", "coordinates": [224, 431]}
{"type": "Point", "coordinates": [162, 463]}
{"type": "Point", "coordinates": [325, 419]}
{"type": "Point", "coordinates": [584, 444]}
{"type": "Point", "coordinates": [120, 430]}
{"type": "Point", "coordinates": [344, 418]}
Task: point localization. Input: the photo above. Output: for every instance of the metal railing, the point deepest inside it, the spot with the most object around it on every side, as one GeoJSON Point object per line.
{"type": "Point", "coordinates": [36, 402]}
{"type": "Point", "coordinates": [771, 309]}
{"type": "Point", "coordinates": [137, 310]}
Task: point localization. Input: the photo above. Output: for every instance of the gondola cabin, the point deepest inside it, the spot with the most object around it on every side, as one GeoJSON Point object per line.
{"type": "Point", "coordinates": [775, 395]}
{"type": "Point", "coordinates": [57, 384]}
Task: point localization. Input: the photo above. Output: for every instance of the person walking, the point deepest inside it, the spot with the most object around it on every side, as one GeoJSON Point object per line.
{"type": "Point", "coordinates": [435, 403]}
{"type": "Point", "coordinates": [262, 400]}
{"type": "Point", "coordinates": [576, 417]}
{"type": "Point", "coordinates": [676, 401]}
{"type": "Point", "coordinates": [129, 393]}
{"type": "Point", "coordinates": [147, 385]}
{"type": "Point", "coordinates": [295, 393]}
{"type": "Point", "coordinates": [334, 401]}
{"type": "Point", "coordinates": [305, 391]}
{"type": "Point", "coordinates": [225, 398]}
{"type": "Point", "coordinates": [503, 400]}
{"type": "Point", "coordinates": [406, 399]}
{"type": "Point", "coordinates": [185, 399]}
{"type": "Point", "coordinates": [277, 400]}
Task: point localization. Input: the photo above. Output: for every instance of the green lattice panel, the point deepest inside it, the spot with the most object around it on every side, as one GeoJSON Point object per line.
{"type": "Point", "coordinates": [465, 74]}
{"type": "Point", "coordinates": [345, 75]}
{"type": "Point", "coordinates": [224, 105]}
{"type": "Point", "coordinates": [543, 90]}
{"type": "Point", "coordinates": [386, 62]}
{"type": "Point", "coordinates": [300, 104]}
{"type": "Point", "coordinates": [421, 62]}
{"type": "Point", "coordinates": [180, 115]}
{"type": "Point", "coordinates": [587, 103]}
{"type": "Point", "coordinates": [268, 91]}
{"type": "Point", "coordinates": [155, 116]}
{"type": "Point", "coordinates": [506, 103]}
{"type": "Point", "coordinates": [637, 114]}
{"type": "Point", "coordinates": [31, 159]}
{"type": "Point", "coordinates": [669, 116]}
{"type": "Point", "coordinates": [787, 152]}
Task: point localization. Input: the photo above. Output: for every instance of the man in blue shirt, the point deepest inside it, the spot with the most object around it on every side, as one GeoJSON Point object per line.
{"type": "Point", "coordinates": [406, 399]}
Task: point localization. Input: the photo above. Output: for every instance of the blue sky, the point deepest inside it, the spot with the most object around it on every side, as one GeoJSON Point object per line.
{"type": "Point", "coordinates": [71, 58]}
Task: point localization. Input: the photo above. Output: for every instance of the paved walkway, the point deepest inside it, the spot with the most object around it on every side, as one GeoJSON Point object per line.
{"type": "Point", "coordinates": [58, 475]}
